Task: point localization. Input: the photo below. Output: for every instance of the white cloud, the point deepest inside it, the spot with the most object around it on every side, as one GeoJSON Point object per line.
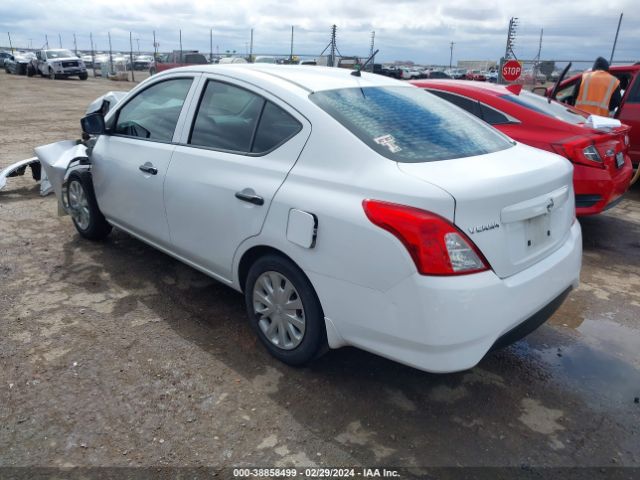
{"type": "Point", "coordinates": [420, 30]}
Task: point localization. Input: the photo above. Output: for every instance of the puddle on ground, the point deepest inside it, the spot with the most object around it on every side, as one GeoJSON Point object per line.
{"type": "Point", "coordinates": [601, 358]}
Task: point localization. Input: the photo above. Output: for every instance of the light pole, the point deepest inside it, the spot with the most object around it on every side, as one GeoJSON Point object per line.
{"type": "Point", "coordinates": [451, 54]}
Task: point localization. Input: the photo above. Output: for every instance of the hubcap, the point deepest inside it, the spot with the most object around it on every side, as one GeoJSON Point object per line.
{"type": "Point", "coordinates": [78, 205]}
{"type": "Point", "coordinates": [279, 309]}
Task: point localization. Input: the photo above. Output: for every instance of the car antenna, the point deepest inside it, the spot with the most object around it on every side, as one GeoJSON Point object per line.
{"type": "Point", "coordinates": [356, 73]}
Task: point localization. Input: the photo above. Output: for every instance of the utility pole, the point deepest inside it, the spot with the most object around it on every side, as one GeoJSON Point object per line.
{"type": "Point", "coordinates": [181, 46]}
{"type": "Point", "coordinates": [133, 79]}
{"type": "Point", "coordinates": [46, 40]}
{"type": "Point", "coordinates": [332, 55]}
{"type": "Point", "coordinates": [60, 40]}
{"type": "Point", "coordinates": [211, 45]}
{"type": "Point", "coordinates": [451, 44]}
{"type": "Point", "coordinates": [615, 41]}
{"type": "Point", "coordinates": [371, 49]}
{"type": "Point", "coordinates": [291, 51]}
{"type": "Point", "coordinates": [10, 44]}
{"type": "Point", "coordinates": [508, 51]}
{"type": "Point", "coordinates": [155, 47]}
{"type": "Point", "coordinates": [251, 47]}
{"type": "Point", "coordinates": [93, 55]}
{"type": "Point", "coordinates": [31, 44]}
{"type": "Point", "coordinates": [111, 71]}
{"type": "Point", "coordinates": [75, 44]}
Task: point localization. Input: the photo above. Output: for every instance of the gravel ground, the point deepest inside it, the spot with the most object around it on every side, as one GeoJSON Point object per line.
{"type": "Point", "coordinates": [114, 354]}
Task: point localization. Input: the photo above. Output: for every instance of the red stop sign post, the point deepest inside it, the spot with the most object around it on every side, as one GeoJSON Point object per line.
{"type": "Point", "coordinates": [511, 70]}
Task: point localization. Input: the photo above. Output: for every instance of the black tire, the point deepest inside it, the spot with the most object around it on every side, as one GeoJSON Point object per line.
{"type": "Point", "coordinates": [30, 71]}
{"type": "Point", "coordinates": [152, 71]}
{"type": "Point", "coordinates": [98, 228]}
{"type": "Point", "coordinates": [52, 75]}
{"type": "Point", "coordinates": [84, 76]}
{"type": "Point", "coordinates": [314, 341]}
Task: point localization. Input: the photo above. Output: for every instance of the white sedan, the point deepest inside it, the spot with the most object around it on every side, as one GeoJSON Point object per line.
{"type": "Point", "coordinates": [349, 210]}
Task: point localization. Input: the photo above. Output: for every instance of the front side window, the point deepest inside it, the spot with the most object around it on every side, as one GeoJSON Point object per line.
{"type": "Point", "coordinates": [153, 113]}
{"type": "Point", "coordinates": [407, 124]}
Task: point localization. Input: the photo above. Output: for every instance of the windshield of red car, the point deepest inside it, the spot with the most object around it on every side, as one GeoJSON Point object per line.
{"type": "Point", "coordinates": [542, 105]}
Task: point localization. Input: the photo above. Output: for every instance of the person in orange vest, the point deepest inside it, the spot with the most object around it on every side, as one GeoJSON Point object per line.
{"type": "Point", "coordinates": [598, 92]}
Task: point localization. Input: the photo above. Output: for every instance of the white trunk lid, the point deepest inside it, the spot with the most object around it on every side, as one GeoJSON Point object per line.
{"type": "Point", "coordinates": [516, 205]}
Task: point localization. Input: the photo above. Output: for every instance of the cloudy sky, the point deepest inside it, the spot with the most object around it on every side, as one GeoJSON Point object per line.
{"type": "Point", "coordinates": [420, 30]}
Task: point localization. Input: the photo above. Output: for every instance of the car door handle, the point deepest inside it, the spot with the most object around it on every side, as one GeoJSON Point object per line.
{"type": "Point", "coordinates": [148, 168]}
{"type": "Point", "coordinates": [251, 198]}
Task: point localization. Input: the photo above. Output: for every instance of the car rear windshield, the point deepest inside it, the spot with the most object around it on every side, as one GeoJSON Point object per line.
{"type": "Point", "coordinates": [407, 124]}
{"type": "Point", "coordinates": [542, 105]}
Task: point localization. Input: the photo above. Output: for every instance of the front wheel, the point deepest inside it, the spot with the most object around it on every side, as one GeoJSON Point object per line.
{"type": "Point", "coordinates": [30, 71]}
{"type": "Point", "coordinates": [84, 76]}
{"type": "Point", "coordinates": [284, 310]}
{"type": "Point", "coordinates": [86, 216]}
{"type": "Point", "coordinates": [52, 75]}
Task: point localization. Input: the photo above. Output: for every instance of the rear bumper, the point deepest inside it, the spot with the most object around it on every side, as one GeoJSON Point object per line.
{"type": "Point", "coordinates": [599, 189]}
{"type": "Point", "coordinates": [447, 324]}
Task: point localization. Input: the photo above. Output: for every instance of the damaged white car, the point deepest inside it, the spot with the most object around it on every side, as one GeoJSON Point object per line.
{"type": "Point", "coordinates": [350, 209]}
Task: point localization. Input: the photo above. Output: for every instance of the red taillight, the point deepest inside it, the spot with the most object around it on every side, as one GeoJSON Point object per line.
{"type": "Point", "coordinates": [436, 246]}
{"type": "Point", "coordinates": [582, 150]}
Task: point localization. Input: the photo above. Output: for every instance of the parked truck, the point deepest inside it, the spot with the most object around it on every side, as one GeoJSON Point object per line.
{"type": "Point", "coordinates": [57, 63]}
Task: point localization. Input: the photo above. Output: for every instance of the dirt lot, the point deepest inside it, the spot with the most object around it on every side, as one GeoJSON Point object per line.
{"type": "Point", "coordinates": [115, 354]}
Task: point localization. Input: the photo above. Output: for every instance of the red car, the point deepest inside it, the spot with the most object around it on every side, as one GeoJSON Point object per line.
{"type": "Point", "coordinates": [177, 59]}
{"type": "Point", "coordinates": [629, 110]}
{"type": "Point", "coordinates": [602, 167]}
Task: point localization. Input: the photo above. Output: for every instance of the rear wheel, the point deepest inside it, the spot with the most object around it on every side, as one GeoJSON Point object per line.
{"type": "Point", "coordinates": [86, 216]}
{"type": "Point", "coordinates": [284, 310]}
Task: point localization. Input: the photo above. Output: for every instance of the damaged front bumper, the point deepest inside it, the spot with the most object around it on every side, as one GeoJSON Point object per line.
{"type": "Point", "coordinates": [58, 160]}
{"type": "Point", "coordinates": [19, 168]}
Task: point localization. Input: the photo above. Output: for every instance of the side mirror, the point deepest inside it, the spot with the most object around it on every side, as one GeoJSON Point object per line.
{"type": "Point", "coordinates": [93, 124]}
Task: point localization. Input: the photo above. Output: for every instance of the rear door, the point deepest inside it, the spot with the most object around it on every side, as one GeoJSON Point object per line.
{"type": "Point", "coordinates": [130, 164]}
{"type": "Point", "coordinates": [233, 157]}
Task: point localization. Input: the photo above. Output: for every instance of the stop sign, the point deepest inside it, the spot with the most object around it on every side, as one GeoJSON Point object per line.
{"type": "Point", "coordinates": [511, 70]}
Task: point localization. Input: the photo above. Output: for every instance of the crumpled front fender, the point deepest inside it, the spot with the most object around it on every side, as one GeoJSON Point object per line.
{"type": "Point", "coordinates": [58, 160]}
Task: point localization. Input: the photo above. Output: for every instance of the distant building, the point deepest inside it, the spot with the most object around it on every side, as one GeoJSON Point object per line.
{"type": "Point", "coordinates": [477, 64]}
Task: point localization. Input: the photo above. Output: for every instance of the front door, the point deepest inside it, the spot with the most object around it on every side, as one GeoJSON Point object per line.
{"type": "Point", "coordinates": [221, 181]}
{"type": "Point", "coordinates": [629, 114]}
{"type": "Point", "coordinates": [130, 163]}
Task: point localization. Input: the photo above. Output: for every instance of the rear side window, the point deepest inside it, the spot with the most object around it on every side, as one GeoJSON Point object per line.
{"type": "Point", "coordinates": [471, 106]}
{"type": "Point", "coordinates": [407, 124]}
{"type": "Point", "coordinates": [153, 113]}
{"type": "Point", "coordinates": [237, 120]}
{"type": "Point", "coordinates": [493, 116]}
{"type": "Point", "coordinates": [276, 127]}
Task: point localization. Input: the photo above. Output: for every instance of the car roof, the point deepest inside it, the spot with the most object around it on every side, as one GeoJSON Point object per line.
{"type": "Point", "coordinates": [307, 78]}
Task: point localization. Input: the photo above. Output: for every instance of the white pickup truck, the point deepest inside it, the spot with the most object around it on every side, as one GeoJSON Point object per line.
{"type": "Point", "coordinates": [57, 63]}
